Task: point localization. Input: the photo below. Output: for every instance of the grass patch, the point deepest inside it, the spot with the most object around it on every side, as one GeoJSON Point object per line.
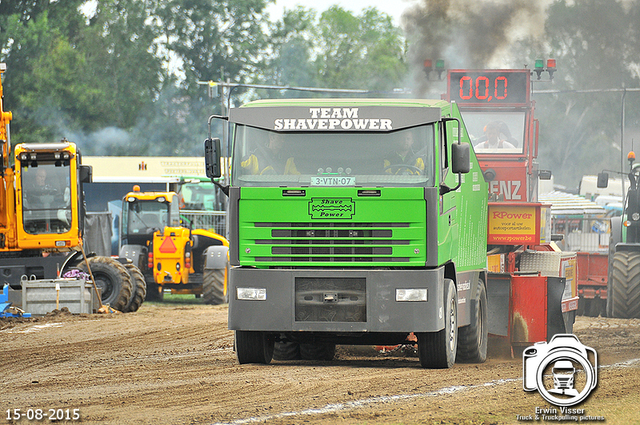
{"type": "Point", "coordinates": [178, 299]}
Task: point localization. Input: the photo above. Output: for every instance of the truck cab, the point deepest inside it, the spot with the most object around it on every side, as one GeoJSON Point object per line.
{"type": "Point", "coordinates": [354, 221]}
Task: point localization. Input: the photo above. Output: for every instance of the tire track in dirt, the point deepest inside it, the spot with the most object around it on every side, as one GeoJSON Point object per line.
{"type": "Point", "coordinates": [397, 398]}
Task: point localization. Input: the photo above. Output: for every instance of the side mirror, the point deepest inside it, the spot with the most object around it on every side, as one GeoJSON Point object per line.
{"type": "Point", "coordinates": [544, 174]}
{"type": "Point", "coordinates": [603, 180]}
{"type": "Point", "coordinates": [212, 158]}
{"type": "Point", "coordinates": [460, 158]}
{"type": "Point", "coordinates": [85, 173]}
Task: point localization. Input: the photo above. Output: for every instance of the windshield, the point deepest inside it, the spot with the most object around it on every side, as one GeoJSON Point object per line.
{"type": "Point", "coordinates": [495, 132]}
{"type": "Point", "coordinates": [266, 158]}
{"type": "Point", "coordinates": [145, 217]}
{"type": "Point", "coordinates": [199, 196]}
{"type": "Point", "coordinates": [46, 198]}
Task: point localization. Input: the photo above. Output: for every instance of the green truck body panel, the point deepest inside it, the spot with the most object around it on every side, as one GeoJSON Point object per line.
{"type": "Point", "coordinates": [332, 227]}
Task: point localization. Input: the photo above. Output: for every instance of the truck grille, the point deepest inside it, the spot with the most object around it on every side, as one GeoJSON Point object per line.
{"type": "Point", "coordinates": [332, 242]}
{"type": "Point", "coordinates": [331, 299]}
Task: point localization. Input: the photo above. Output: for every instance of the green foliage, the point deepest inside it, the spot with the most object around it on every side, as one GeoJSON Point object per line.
{"type": "Point", "coordinates": [336, 50]}
{"type": "Point", "coordinates": [208, 36]}
{"type": "Point", "coordinates": [123, 80]}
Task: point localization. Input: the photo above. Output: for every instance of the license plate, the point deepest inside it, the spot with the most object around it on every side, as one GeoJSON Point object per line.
{"type": "Point", "coordinates": [333, 181]}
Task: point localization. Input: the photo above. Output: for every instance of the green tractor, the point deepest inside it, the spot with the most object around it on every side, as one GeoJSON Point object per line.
{"type": "Point", "coordinates": [623, 289]}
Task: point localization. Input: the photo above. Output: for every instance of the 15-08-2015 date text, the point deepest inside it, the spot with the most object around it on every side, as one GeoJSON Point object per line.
{"type": "Point", "coordinates": [43, 414]}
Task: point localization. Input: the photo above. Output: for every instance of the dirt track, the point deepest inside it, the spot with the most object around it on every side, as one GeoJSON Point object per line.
{"type": "Point", "coordinates": [174, 364]}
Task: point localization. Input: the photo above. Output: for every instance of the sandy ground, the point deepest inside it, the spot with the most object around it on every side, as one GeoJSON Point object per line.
{"type": "Point", "coordinates": [174, 364]}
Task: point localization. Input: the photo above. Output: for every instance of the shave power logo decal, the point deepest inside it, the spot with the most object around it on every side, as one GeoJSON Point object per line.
{"type": "Point", "coordinates": [332, 208]}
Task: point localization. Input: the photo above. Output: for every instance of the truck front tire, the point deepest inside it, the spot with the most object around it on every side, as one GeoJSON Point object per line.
{"type": "Point", "coordinates": [254, 347]}
{"type": "Point", "coordinates": [472, 339]}
{"type": "Point", "coordinates": [437, 350]}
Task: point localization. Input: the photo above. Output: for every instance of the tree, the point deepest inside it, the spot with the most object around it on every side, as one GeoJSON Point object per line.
{"type": "Point", "coordinates": [208, 36]}
{"type": "Point", "coordinates": [361, 52]}
{"type": "Point", "coordinates": [126, 73]}
{"type": "Point", "coordinates": [289, 58]}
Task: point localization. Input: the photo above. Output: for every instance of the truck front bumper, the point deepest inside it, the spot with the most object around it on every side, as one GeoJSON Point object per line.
{"type": "Point", "coordinates": [347, 300]}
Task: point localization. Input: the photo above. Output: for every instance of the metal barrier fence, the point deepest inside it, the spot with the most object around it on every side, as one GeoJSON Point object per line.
{"type": "Point", "coordinates": [583, 234]}
{"type": "Point", "coordinates": [207, 220]}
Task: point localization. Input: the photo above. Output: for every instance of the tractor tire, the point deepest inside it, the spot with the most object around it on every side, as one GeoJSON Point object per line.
{"type": "Point", "coordinates": [213, 286]}
{"type": "Point", "coordinates": [155, 292]}
{"type": "Point", "coordinates": [324, 351]}
{"type": "Point", "coordinates": [254, 347]}
{"type": "Point", "coordinates": [472, 339]}
{"type": "Point", "coordinates": [623, 297]}
{"type": "Point", "coordinates": [286, 351]}
{"type": "Point", "coordinates": [437, 350]}
{"type": "Point", "coordinates": [139, 290]}
{"type": "Point", "coordinates": [113, 280]}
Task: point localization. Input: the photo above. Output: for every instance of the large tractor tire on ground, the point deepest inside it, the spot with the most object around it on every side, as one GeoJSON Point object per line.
{"type": "Point", "coordinates": [154, 292]}
{"type": "Point", "coordinates": [113, 280]}
{"type": "Point", "coordinates": [139, 288]}
{"type": "Point", "coordinates": [213, 286]}
{"type": "Point", "coordinates": [254, 347]}
{"type": "Point", "coordinates": [623, 296]}
{"type": "Point", "coordinates": [437, 350]}
{"type": "Point", "coordinates": [472, 339]}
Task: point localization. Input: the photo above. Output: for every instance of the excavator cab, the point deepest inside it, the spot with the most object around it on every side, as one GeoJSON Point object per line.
{"type": "Point", "coordinates": [47, 196]}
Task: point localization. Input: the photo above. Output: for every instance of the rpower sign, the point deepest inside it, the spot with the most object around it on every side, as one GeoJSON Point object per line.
{"type": "Point", "coordinates": [517, 223]}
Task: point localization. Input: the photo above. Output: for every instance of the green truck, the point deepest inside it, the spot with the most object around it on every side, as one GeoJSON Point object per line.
{"type": "Point", "coordinates": [357, 222]}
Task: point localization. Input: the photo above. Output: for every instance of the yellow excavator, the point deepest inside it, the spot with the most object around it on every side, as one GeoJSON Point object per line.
{"type": "Point", "coordinates": [42, 219]}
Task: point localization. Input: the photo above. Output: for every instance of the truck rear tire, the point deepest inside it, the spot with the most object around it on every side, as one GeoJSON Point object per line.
{"type": "Point", "coordinates": [254, 347]}
{"type": "Point", "coordinates": [320, 351]}
{"type": "Point", "coordinates": [286, 351]}
{"type": "Point", "coordinates": [139, 288]}
{"type": "Point", "coordinates": [113, 280]}
{"type": "Point", "coordinates": [472, 339]}
{"type": "Point", "coordinates": [623, 297]}
{"type": "Point", "coordinates": [213, 286]}
{"type": "Point", "coordinates": [437, 350]}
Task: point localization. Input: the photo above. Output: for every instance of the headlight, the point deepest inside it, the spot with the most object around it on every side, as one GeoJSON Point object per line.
{"type": "Point", "coordinates": [635, 216]}
{"type": "Point", "coordinates": [259, 294]}
{"type": "Point", "coordinates": [411, 294]}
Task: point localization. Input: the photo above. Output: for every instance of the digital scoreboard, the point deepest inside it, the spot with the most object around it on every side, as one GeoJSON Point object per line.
{"type": "Point", "coordinates": [489, 87]}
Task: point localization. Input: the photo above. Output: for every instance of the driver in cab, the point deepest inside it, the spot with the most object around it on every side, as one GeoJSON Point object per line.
{"type": "Point", "coordinates": [495, 138]}
{"type": "Point", "coordinates": [403, 160]}
{"type": "Point", "coordinates": [271, 159]}
{"type": "Point", "coordinates": [39, 193]}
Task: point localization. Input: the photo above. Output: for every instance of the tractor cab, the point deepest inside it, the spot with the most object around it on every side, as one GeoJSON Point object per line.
{"type": "Point", "coordinates": [499, 115]}
{"type": "Point", "coordinates": [144, 213]}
